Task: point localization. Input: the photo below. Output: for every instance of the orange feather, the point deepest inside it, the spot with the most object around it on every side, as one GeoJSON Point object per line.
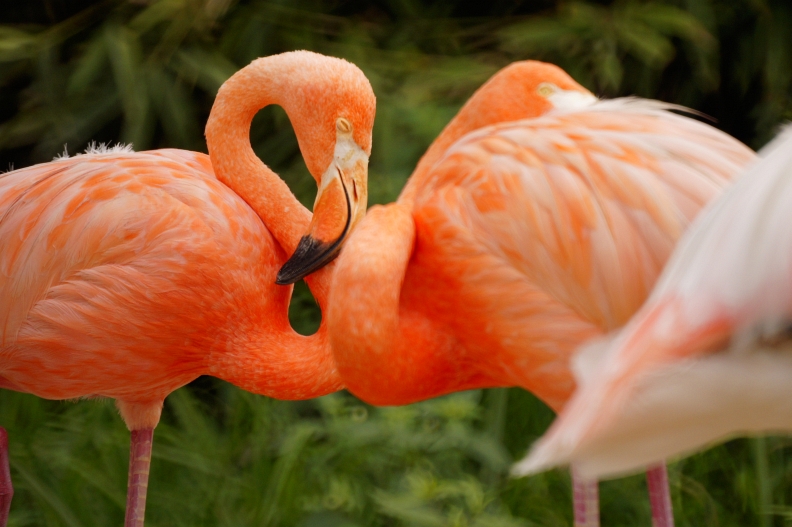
{"type": "Point", "coordinates": [127, 275]}
{"type": "Point", "coordinates": [540, 218]}
{"type": "Point", "coordinates": [519, 241]}
{"type": "Point", "coordinates": [708, 356]}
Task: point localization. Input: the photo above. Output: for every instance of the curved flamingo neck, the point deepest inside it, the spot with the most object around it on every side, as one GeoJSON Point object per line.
{"type": "Point", "coordinates": [364, 312]}
{"type": "Point", "coordinates": [506, 96]}
{"type": "Point", "coordinates": [279, 363]}
{"type": "Point", "coordinates": [375, 328]}
{"type": "Point", "coordinates": [458, 127]}
{"type": "Point", "coordinates": [484, 108]}
{"type": "Point", "coordinates": [266, 81]}
{"type": "Point", "coordinates": [479, 111]}
{"type": "Point", "coordinates": [265, 355]}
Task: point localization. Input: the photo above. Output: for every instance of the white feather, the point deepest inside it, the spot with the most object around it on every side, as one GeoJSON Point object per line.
{"type": "Point", "coordinates": [738, 253]}
{"type": "Point", "coordinates": [734, 262]}
{"type": "Point", "coordinates": [688, 405]}
{"type": "Point", "coordinates": [105, 148]}
{"type": "Point", "coordinates": [571, 99]}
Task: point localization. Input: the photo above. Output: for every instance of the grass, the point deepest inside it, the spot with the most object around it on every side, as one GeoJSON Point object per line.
{"type": "Point", "coordinates": [226, 457]}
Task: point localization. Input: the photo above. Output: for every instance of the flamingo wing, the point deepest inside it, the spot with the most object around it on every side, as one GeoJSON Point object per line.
{"type": "Point", "coordinates": [91, 247]}
{"type": "Point", "coordinates": [589, 203]}
{"type": "Point", "coordinates": [709, 355]}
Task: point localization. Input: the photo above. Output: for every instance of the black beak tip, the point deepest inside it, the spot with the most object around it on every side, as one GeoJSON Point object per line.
{"type": "Point", "coordinates": [310, 256]}
{"type": "Point", "coordinates": [286, 276]}
{"type": "Point", "coordinates": [293, 270]}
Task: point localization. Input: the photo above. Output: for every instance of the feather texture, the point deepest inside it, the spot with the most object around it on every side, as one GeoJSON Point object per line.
{"type": "Point", "coordinates": [94, 244]}
{"type": "Point", "coordinates": [531, 237]}
{"type": "Point", "coordinates": [708, 356]}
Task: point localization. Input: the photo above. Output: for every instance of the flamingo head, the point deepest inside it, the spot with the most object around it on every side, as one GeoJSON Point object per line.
{"type": "Point", "coordinates": [523, 90]}
{"type": "Point", "coordinates": [336, 116]}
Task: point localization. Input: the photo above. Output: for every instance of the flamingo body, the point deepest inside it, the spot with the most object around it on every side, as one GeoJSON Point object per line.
{"type": "Point", "coordinates": [132, 273]}
{"type": "Point", "coordinates": [708, 357]}
{"type": "Point", "coordinates": [528, 238]}
{"type": "Point", "coordinates": [127, 275]}
{"type": "Point", "coordinates": [539, 219]}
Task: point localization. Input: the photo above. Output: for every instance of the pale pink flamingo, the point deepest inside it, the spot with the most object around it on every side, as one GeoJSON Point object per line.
{"type": "Point", "coordinates": [538, 219]}
{"type": "Point", "coordinates": [127, 275]}
{"type": "Point", "coordinates": [709, 356]}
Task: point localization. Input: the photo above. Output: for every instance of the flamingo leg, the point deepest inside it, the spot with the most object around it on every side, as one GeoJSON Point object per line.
{"type": "Point", "coordinates": [585, 495]}
{"type": "Point", "coordinates": [660, 496]}
{"type": "Point", "coordinates": [139, 463]}
{"type": "Point", "coordinates": [6, 489]}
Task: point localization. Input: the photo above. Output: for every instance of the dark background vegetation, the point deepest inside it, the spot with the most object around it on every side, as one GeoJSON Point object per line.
{"type": "Point", "coordinates": [146, 72]}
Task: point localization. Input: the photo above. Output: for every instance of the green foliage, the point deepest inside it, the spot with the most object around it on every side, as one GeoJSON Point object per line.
{"type": "Point", "coordinates": [223, 456]}
{"type": "Point", "coordinates": [146, 72]}
{"type": "Point", "coordinates": [596, 44]}
{"type": "Point", "coordinates": [226, 457]}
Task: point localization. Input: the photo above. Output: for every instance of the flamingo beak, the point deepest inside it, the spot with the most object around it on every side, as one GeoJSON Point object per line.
{"type": "Point", "coordinates": [340, 204]}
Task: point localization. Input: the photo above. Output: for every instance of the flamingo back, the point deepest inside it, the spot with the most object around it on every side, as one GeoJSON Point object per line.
{"type": "Point", "coordinates": [587, 204]}
{"type": "Point", "coordinates": [709, 355]}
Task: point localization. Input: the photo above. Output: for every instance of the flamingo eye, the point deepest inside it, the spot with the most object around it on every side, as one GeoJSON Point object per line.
{"type": "Point", "coordinates": [343, 125]}
{"type": "Point", "coordinates": [546, 89]}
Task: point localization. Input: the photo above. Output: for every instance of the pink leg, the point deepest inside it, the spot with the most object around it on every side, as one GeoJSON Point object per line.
{"type": "Point", "coordinates": [6, 490]}
{"type": "Point", "coordinates": [659, 496]}
{"type": "Point", "coordinates": [585, 494]}
{"type": "Point", "coordinates": [139, 463]}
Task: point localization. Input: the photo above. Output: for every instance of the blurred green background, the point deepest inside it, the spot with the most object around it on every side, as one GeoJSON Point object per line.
{"type": "Point", "coordinates": [146, 72]}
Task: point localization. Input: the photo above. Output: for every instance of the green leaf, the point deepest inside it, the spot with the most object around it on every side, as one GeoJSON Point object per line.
{"type": "Point", "coordinates": [608, 66]}
{"type": "Point", "coordinates": [537, 35]}
{"type": "Point", "coordinates": [673, 21]}
{"type": "Point", "coordinates": [646, 44]}
{"type": "Point", "coordinates": [208, 70]}
{"type": "Point", "coordinates": [90, 66]}
{"type": "Point", "coordinates": [124, 54]}
{"type": "Point", "coordinates": [174, 107]}
{"type": "Point", "coordinates": [156, 13]}
{"type": "Point", "coordinates": [16, 44]}
{"type": "Point", "coordinates": [47, 494]}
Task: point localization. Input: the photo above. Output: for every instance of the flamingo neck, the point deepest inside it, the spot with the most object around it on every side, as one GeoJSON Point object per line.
{"type": "Point", "coordinates": [496, 101]}
{"type": "Point", "coordinates": [458, 127]}
{"type": "Point", "coordinates": [363, 317]}
{"type": "Point", "coordinates": [279, 363]}
{"type": "Point", "coordinates": [478, 112]}
{"type": "Point", "coordinates": [262, 83]}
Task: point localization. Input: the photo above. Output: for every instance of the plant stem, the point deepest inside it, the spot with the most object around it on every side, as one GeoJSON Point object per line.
{"type": "Point", "coordinates": [763, 484]}
{"type": "Point", "coordinates": [495, 424]}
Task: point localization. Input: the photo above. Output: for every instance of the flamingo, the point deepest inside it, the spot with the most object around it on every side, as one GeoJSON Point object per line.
{"type": "Point", "coordinates": [709, 355]}
{"type": "Point", "coordinates": [127, 275]}
{"type": "Point", "coordinates": [537, 220]}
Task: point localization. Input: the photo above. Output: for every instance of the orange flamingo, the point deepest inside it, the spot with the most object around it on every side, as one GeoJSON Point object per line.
{"type": "Point", "coordinates": [544, 226]}
{"type": "Point", "coordinates": [708, 356]}
{"type": "Point", "coordinates": [127, 275]}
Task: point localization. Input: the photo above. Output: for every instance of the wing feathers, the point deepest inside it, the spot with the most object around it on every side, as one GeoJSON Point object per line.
{"type": "Point", "coordinates": [700, 361]}
{"type": "Point", "coordinates": [61, 218]}
{"type": "Point", "coordinates": [589, 203]}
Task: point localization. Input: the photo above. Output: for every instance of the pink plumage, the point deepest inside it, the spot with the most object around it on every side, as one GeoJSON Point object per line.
{"type": "Point", "coordinates": [127, 275]}
{"type": "Point", "coordinates": [708, 356]}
